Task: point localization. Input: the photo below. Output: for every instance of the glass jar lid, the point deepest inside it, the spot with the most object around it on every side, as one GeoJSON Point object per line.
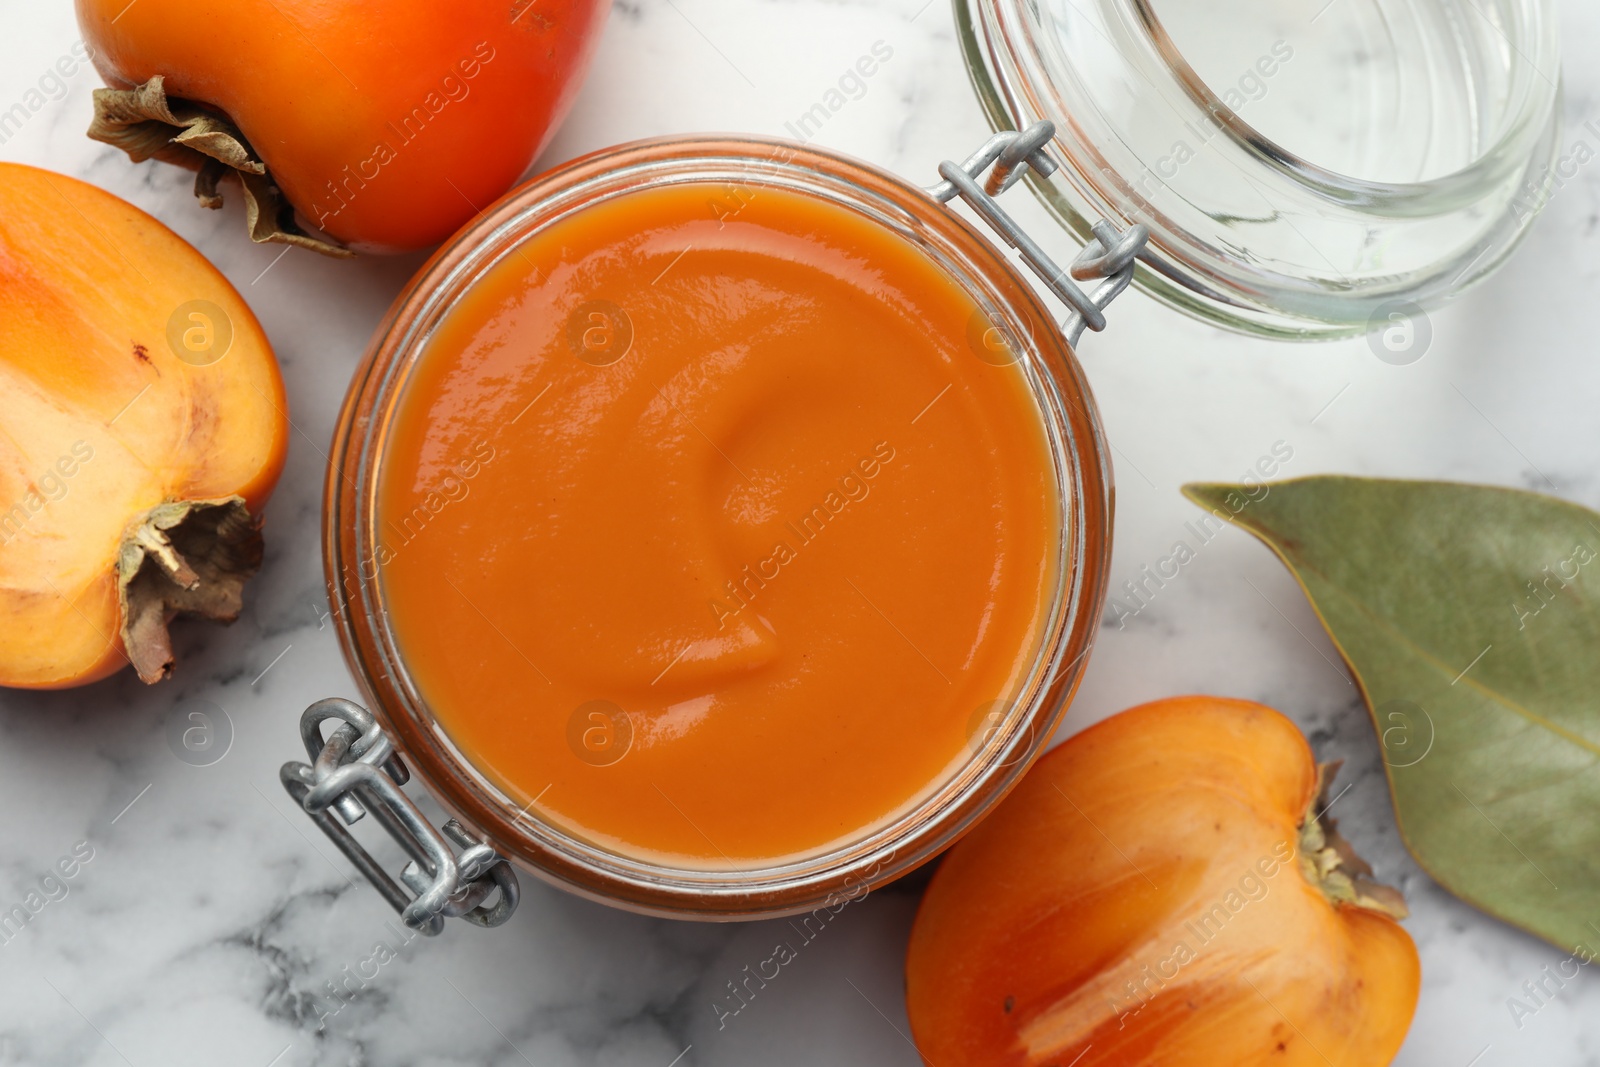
{"type": "Point", "coordinates": [1302, 168]}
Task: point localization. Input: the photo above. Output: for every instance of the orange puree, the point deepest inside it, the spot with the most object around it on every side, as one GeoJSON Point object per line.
{"type": "Point", "coordinates": [780, 514]}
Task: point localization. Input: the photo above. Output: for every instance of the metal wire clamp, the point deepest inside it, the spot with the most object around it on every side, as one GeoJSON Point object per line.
{"type": "Point", "coordinates": [1109, 256]}
{"type": "Point", "coordinates": [356, 770]}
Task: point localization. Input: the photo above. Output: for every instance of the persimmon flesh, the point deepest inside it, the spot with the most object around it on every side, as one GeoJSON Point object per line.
{"type": "Point", "coordinates": [386, 125]}
{"type": "Point", "coordinates": [1160, 890]}
{"type": "Point", "coordinates": [142, 426]}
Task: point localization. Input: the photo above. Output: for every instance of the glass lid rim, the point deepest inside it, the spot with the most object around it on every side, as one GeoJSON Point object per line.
{"type": "Point", "coordinates": [1299, 166]}
{"type": "Point", "coordinates": [1201, 277]}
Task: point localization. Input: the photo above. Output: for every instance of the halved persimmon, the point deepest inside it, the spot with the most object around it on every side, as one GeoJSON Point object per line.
{"type": "Point", "coordinates": [142, 426]}
{"type": "Point", "coordinates": [1162, 889]}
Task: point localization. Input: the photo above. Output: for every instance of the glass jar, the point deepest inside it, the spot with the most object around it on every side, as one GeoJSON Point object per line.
{"type": "Point", "coordinates": [1301, 166]}
{"type": "Point", "coordinates": [1297, 174]}
{"type": "Point", "coordinates": [1019, 328]}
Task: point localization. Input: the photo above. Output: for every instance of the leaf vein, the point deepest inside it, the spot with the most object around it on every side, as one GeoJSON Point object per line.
{"type": "Point", "coordinates": [1429, 658]}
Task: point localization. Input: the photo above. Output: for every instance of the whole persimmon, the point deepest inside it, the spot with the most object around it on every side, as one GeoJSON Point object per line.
{"type": "Point", "coordinates": [1163, 888]}
{"type": "Point", "coordinates": [386, 124]}
{"type": "Point", "coordinates": [142, 426]}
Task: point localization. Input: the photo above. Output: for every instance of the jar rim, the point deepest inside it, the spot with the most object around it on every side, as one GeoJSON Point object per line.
{"type": "Point", "coordinates": [1439, 235]}
{"type": "Point", "coordinates": [1381, 197]}
{"type": "Point", "coordinates": [353, 569]}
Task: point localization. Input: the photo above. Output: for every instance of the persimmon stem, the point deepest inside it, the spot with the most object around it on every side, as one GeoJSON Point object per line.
{"type": "Point", "coordinates": [158, 546]}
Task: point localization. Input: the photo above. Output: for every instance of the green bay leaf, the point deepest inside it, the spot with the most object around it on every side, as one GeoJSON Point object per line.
{"type": "Point", "coordinates": [1470, 616]}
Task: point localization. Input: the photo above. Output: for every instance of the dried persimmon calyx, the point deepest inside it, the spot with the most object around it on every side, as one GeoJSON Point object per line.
{"type": "Point", "coordinates": [148, 124]}
{"type": "Point", "coordinates": [1332, 864]}
{"type": "Point", "coordinates": [189, 557]}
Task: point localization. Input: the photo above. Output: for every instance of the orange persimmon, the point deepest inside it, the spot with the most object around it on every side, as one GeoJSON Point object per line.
{"type": "Point", "coordinates": [142, 426]}
{"type": "Point", "coordinates": [1160, 889]}
{"type": "Point", "coordinates": [385, 125]}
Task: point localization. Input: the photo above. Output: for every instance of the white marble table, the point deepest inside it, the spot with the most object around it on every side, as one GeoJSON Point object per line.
{"type": "Point", "coordinates": [211, 918]}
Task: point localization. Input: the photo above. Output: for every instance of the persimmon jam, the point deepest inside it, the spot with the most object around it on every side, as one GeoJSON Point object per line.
{"type": "Point", "coordinates": [706, 531]}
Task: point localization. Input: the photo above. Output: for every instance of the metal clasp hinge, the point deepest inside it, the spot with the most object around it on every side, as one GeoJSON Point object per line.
{"type": "Point", "coordinates": [1109, 256]}
{"type": "Point", "coordinates": [356, 770]}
